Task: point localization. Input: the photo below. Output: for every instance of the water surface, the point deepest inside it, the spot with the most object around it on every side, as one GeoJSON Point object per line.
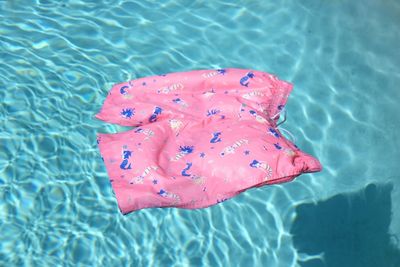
{"type": "Point", "coordinates": [58, 59]}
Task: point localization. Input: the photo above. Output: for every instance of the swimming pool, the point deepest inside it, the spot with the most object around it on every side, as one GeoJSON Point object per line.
{"type": "Point", "coordinates": [58, 61]}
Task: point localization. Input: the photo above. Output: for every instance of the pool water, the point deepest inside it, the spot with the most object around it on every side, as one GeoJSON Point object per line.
{"type": "Point", "coordinates": [58, 59]}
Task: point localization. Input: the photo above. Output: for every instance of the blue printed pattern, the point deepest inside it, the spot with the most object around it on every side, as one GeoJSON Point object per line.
{"type": "Point", "coordinates": [147, 132]}
{"type": "Point", "coordinates": [184, 171]}
{"type": "Point", "coordinates": [186, 149]}
{"type": "Point", "coordinates": [211, 112]}
{"type": "Point", "coordinates": [244, 81]}
{"type": "Point", "coordinates": [197, 179]}
{"type": "Point", "coordinates": [216, 137]}
{"type": "Point", "coordinates": [263, 166]}
{"type": "Point", "coordinates": [273, 132]}
{"type": "Point", "coordinates": [180, 102]}
{"type": "Point", "coordinates": [140, 179]}
{"type": "Point", "coordinates": [183, 151]}
{"type": "Point", "coordinates": [157, 111]}
{"type": "Point", "coordinates": [232, 148]}
{"type": "Point", "coordinates": [259, 118]}
{"type": "Point", "coordinates": [169, 195]}
{"type": "Point", "coordinates": [278, 146]}
{"type": "Point", "coordinates": [124, 90]}
{"type": "Point", "coordinates": [125, 164]}
{"type": "Point", "coordinates": [127, 113]}
{"type": "Point", "coordinates": [220, 200]}
{"type": "Point", "coordinates": [187, 170]}
{"type": "Point", "coordinates": [214, 73]}
{"type": "Point", "coordinates": [221, 71]}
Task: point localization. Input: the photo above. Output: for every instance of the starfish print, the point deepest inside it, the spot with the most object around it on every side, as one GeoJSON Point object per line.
{"type": "Point", "coordinates": [202, 155]}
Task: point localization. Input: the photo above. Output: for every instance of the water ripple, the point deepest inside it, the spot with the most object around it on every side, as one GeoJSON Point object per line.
{"type": "Point", "coordinates": [59, 59]}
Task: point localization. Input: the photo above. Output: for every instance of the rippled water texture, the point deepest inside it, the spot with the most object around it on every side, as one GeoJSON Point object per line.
{"type": "Point", "coordinates": [58, 60]}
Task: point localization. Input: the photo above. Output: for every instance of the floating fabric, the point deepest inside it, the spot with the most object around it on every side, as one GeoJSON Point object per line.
{"type": "Point", "coordinates": [195, 95]}
{"type": "Point", "coordinates": [203, 153]}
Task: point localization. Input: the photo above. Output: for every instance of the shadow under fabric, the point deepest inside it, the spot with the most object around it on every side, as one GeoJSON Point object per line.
{"type": "Point", "coordinates": [202, 137]}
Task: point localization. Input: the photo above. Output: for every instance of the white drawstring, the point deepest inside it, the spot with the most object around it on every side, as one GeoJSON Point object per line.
{"type": "Point", "coordinates": [278, 113]}
{"type": "Point", "coordinates": [292, 138]}
{"type": "Point", "coordinates": [284, 117]}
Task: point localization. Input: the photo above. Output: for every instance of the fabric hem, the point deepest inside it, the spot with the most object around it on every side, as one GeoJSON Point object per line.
{"type": "Point", "coordinates": [116, 192]}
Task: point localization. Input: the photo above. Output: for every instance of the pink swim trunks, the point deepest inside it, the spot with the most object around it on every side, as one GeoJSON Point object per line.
{"type": "Point", "coordinates": [202, 137]}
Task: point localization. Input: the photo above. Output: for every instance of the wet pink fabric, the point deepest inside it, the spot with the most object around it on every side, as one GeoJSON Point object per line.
{"type": "Point", "coordinates": [194, 95]}
{"type": "Point", "coordinates": [202, 137]}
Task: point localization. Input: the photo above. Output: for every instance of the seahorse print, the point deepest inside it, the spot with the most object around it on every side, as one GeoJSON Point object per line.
{"type": "Point", "coordinates": [216, 137]}
{"type": "Point", "coordinates": [197, 179]}
{"type": "Point", "coordinates": [125, 164]}
{"type": "Point", "coordinates": [184, 171]}
{"type": "Point", "coordinates": [157, 111]}
{"type": "Point", "coordinates": [244, 81]}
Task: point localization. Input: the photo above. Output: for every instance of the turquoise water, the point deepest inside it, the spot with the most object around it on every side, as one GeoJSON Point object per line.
{"type": "Point", "coordinates": [58, 59]}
